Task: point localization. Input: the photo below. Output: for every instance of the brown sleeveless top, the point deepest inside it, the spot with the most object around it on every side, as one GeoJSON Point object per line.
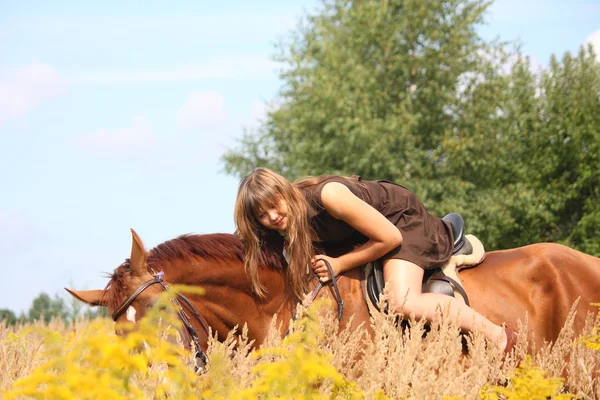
{"type": "Point", "coordinates": [427, 240]}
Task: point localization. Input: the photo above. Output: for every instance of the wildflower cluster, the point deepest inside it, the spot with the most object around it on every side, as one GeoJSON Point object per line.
{"type": "Point", "coordinates": [150, 363]}
{"type": "Point", "coordinates": [315, 361]}
{"type": "Point", "coordinates": [96, 363]}
{"type": "Point", "coordinates": [592, 341]}
{"type": "Point", "coordinates": [527, 382]}
{"type": "Point", "coordinates": [300, 369]}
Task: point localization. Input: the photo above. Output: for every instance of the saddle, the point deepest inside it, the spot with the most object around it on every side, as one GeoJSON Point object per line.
{"type": "Point", "coordinates": [468, 252]}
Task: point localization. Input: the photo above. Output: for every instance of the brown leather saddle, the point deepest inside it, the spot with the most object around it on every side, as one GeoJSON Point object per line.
{"type": "Point", "coordinates": [434, 280]}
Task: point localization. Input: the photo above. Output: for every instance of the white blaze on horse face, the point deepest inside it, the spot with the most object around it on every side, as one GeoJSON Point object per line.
{"type": "Point", "coordinates": [131, 314]}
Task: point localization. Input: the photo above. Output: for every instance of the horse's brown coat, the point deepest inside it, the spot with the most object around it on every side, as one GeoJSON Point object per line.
{"type": "Point", "coordinates": [540, 281]}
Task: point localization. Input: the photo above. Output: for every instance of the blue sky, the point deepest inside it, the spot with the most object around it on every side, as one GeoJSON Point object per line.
{"type": "Point", "coordinates": [113, 115]}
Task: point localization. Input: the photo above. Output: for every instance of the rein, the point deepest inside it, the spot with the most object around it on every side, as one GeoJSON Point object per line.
{"type": "Point", "coordinates": [336, 290]}
{"type": "Point", "coordinates": [185, 319]}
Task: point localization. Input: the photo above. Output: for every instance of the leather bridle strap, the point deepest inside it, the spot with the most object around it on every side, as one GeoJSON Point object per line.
{"type": "Point", "coordinates": [195, 313]}
{"type": "Point", "coordinates": [185, 319]}
{"type": "Point", "coordinates": [336, 291]}
{"type": "Point", "coordinates": [156, 279]}
{"type": "Point", "coordinates": [192, 334]}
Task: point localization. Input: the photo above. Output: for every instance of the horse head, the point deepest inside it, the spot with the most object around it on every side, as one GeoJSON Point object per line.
{"type": "Point", "coordinates": [132, 290]}
{"type": "Point", "coordinates": [125, 281]}
{"type": "Point", "coordinates": [213, 262]}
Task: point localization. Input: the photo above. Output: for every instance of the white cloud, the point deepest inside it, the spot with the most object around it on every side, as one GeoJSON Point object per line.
{"type": "Point", "coordinates": [594, 40]}
{"type": "Point", "coordinates": [202, 110]}
{"type": "Point", "coordinates": [248, 66]}
{"type": "Point", "coordinates": [135, 140]}
{"type": "Point", "coordinates": [22, 89]}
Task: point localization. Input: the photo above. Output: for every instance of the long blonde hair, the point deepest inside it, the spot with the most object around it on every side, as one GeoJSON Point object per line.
{"type": "Point", "coordinates": [262, 189]}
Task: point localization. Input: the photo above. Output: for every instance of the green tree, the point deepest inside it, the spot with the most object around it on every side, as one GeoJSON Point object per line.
{"type": "Point", "coordinates": [406, 90]}
{"type": "Point", "coordinates": [400, 90]}
{"type": "Point", "coordinates": [488, 157]}
{"type": "Point", "coordinates": [7, 316]}
{"type": "Point", "coordinates": [369, 87]}
{"type": "Point", "coordinates": [45, 307]}
{"type": "Point", "coordinates": [568, 161]}
{"type": "Point", "coordinates": [525, 154]}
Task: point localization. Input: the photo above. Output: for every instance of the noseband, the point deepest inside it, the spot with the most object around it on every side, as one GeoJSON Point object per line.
{"type": "Point", "coordinates": [185, 319]}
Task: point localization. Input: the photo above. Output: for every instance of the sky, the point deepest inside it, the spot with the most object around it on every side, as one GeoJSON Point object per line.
{"type": "Point", "coordinates": [114, 115]}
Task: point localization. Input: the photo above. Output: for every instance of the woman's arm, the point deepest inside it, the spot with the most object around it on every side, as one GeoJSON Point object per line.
{"type": "Point", "coordinates": [383, 236]}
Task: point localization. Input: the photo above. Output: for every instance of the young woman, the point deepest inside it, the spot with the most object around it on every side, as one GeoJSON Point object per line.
{"type": "Point", "coordinates": [370, 220]}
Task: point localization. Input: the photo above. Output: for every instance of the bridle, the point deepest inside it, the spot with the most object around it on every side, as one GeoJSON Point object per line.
{"type": "Point", "coordinates": [185, 319]}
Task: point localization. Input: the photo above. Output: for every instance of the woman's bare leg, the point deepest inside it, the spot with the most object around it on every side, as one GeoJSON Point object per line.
{"type": "Point", "coordinates": [405, 280]}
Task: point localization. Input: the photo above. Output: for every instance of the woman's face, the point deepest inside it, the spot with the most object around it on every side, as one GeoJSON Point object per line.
{"type": "Point", "coordinates": [275, 217]}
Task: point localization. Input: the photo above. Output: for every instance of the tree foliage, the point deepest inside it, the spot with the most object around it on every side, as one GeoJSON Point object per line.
{"type": "Point", "coordinates": [44, 308]}
{"type": "Point", "coordinates": [7, 316]}
{"type": "Point", "coordinates": [408, 91]}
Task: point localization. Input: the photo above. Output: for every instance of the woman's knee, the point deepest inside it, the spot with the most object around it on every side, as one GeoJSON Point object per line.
{"type": "Point", "coordinates": [410, 304]}
{"type": "Point", "coordinates": [404, 283]}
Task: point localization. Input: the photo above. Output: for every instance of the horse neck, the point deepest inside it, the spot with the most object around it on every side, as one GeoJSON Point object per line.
{"type": "Point", "coordinates": [226, 281]}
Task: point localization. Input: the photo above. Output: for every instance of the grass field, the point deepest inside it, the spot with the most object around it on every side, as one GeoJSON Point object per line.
{"type": "Point", "coordinates": [86, 360]}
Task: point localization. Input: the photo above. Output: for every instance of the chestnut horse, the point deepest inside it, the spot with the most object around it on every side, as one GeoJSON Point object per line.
{"type": "Point", "coordinates": [541, 281]}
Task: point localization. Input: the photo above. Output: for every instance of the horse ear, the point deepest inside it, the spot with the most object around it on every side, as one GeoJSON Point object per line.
{"type": "Point", "coordinates": [91, 297]}
{"type": "Point", "coordinates": [138, 255]}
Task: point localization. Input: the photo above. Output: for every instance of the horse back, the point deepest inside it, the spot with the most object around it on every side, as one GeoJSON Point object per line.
{"type": "Point", "coordinates": [538, 283]}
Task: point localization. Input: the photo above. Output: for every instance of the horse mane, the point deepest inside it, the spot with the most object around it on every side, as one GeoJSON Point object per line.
{"type": "Point", "coordinates": [215, 246]}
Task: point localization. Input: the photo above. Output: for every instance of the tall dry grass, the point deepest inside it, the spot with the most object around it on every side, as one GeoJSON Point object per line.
{"type": "Point", "coordinates": [86, 360]}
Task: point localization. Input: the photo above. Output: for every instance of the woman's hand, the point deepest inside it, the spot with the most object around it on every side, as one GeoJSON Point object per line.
{"type": "Point", "coordinates": [320, 268]}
